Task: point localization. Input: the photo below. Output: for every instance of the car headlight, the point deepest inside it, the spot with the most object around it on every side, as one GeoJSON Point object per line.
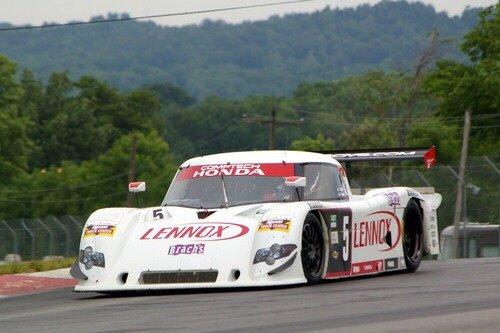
{"type": "Point", "coordinates": [89, 258]}
{"type": "Point", "coordinates": [275, 251]}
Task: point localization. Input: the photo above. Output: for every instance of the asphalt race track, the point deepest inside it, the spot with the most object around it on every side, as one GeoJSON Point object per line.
{"type": "Point", "coordinates": [447, 296]}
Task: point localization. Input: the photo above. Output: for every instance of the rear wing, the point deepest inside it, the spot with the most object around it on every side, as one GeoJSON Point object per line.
{"type": "Point", "coordinates": [427, 155]}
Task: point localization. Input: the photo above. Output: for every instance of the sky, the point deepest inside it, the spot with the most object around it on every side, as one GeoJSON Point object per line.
{"type": "Point", "coordinates": [37, 12]}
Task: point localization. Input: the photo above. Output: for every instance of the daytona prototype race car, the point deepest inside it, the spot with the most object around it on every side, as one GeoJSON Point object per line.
{"type": "Point", "coordinates": [260, 218]}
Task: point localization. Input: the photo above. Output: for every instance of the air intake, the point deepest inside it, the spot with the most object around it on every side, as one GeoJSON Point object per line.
{"type": "Point", "coordinates": [205, 213]}
{"type": "Point", "coordinates": [169, 277]}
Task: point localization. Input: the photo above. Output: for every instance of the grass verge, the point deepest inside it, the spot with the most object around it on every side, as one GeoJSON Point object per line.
{"type": "Point", "coordinates": [35, 266]}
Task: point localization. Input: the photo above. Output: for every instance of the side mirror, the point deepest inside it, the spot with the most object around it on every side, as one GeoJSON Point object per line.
{"type": "Point", "coordinates": [295, 181]}
{"type": "Point", "coordinates": [136, 187]}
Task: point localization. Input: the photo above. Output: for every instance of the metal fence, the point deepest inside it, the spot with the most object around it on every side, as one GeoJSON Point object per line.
{"type": "Point", "coordinates": [36, 238]}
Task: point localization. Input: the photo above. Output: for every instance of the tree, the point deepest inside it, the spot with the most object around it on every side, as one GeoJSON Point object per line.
{"type": "Point", "coordinates": [445, 136]}
{"type": "Point", "coordinates": [320, 143]}
{"type": "Point", "coordinates": [77, 121]}
{"type": "Point", "coordinates": [169, 94]}
{"type": "Point", "coordinates": [474, 85]}
{"type": "Point", "coordinates": [14, 142]}
{"type": "Point", "coordinates": [79, 189]}
{"type": "Point", "coordinates": [387, 99]}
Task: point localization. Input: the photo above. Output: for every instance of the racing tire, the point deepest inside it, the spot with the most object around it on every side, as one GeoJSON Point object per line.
{"type": "Point", "coordinates": [313, 249]}
{"type": "Point", "coordinates": [413, 236]}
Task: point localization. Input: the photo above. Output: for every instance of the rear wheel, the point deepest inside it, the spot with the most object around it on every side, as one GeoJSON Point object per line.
{"type": "Point", "coordinates": [413, 236]}
{"type": "Point", "coordinates": [313, 249]}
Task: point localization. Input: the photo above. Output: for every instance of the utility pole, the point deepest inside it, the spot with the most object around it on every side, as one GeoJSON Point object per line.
{"type": "Point", "coordinates": [457, 218]}
{"type": "Point", "coordinates": [272, 129]}
{"type": "Point", "coordinates": [272, 121]}
{"type": "Point", "coordinates": [132, 169]}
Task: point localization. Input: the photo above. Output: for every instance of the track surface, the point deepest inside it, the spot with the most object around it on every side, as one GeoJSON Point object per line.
{"type": "Point", "coordinates": [447, 296]}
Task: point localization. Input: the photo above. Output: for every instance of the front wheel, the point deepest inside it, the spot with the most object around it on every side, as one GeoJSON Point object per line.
{"type": "Point", "coordinates": [413, 236]}
{"type": "Point", "coordinates": [313, 249]}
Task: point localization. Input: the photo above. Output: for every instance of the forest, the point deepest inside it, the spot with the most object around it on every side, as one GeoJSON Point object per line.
{"type": "Point", "coordinates": [66, 142]}
{"type": "Point", "coordinates": [267, 57]}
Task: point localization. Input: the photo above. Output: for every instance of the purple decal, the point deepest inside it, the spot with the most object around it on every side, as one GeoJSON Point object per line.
{"type": "Point", "coordinates": [186, 249]}
{"type": "Point", "coordinates": [392, 199]}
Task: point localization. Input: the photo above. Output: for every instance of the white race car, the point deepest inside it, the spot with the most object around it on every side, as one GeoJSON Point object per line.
{"type": "Point", "coordinates": [260, 218]}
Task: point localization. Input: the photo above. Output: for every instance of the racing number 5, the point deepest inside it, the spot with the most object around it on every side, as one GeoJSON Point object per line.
{"type": "Point", "coordinates": [345, 237]}
{"type": "Point", "coordinates": [157, 214]}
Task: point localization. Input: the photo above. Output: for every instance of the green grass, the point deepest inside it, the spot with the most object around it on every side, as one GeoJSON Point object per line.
{"type": "Point", "coordinates": [35, 266]}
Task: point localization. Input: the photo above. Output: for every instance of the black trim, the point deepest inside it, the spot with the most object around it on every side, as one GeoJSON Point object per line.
{"type": "Point", "coordinates": [76, 272]}
{"type": "Point", "coordinates": [284, 266]}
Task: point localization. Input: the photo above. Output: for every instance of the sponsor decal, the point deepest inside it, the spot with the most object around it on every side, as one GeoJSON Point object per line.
{"type": "Point", "coordinates": [334, 237]}
{"type": "Point", "coordinates": [336, 275]}
{"type": "Point", "coordinates": [413, 193]}
{"type": "Point", "coordinates": [333, 221]}
{"type": "Point", "coordinates": [99, 230]}
{"type": "Point", "coordinates": [391, 263]}
{"type": "Point", "coordinates": [402, 263]}
{"type": "Point", "coordinates": [392, 199]}
{"type": "Point", "coordinates": [90, 258]}
{"type": "Point", "coordinates": [341, 191]}
{"type": "Point", "coordinates": [275, 225]}
{"type": "Point", "coordinates": [376, 154]}
{"type": "Point", "coordinates": [248, 169]}
{"type": "Point", "coordinates": [335, 255]}
{"type": "Point", "coordinates": [367, 267]}
{"type": "Point", "coordinates": [209, 231]}
{"type": "Point", "coordinates": [316, 205]}
{"type": "Point", "coordinates": [378, 229]}
{"type": "Point", "coordinates": [177, 249]}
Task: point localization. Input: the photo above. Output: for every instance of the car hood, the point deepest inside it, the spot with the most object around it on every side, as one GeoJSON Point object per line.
{"type": "Point", "coordinates": [134, 241]}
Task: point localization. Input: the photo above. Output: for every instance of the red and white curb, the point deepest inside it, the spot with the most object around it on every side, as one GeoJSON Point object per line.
{"type": "Point", "coordinates": [29, 283]}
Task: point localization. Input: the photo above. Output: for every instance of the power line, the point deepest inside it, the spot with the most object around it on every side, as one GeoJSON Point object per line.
{"type": "Point", "coordinates": [348, 123]}
{"type": "Point", "coordinates": [227, 130]}
{"type": "Point", "coordinates": [52, 25]}
{"type": "Point", "coordinates": [37, 202]}
{"type": "Point", "coordinates": [443, 119]}
{"type": "Point", "coordinates": [14, 194]}
{"type": "Point", "coordinates": [64, 187]}
{"type": "Point", "coordinates": [272, 121]}
{"type": "Point", "coordinates": [207, 137]}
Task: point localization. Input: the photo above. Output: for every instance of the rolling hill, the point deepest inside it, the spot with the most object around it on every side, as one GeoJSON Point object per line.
{"type": "Point", "coordinates": [263, 57]}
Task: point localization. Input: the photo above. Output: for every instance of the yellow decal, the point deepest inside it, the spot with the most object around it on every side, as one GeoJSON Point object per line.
{"type": "Point", "coordinates": [99, 230]}
{"type": "Point", "coordinates": [275, 225]}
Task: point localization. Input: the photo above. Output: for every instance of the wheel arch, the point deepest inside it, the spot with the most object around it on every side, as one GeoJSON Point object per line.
{"type": "Point", "coordinates": [419, 202]}
{"type": "Point", "coordinates": [324, 232]}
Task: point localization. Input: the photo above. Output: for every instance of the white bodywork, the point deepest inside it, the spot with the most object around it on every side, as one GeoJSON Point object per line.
{"type": "Point", "coordinates": [132, 241]}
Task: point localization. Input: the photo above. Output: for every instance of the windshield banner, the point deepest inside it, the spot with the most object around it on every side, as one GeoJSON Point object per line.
{"type": "Point", "coordinates": [247, 169]}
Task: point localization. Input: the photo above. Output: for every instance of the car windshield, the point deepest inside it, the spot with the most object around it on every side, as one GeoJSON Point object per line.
{"type": "Point", "coordinates": [217, 186]}
{"type": "Point", "coordinates": [226, 185]}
